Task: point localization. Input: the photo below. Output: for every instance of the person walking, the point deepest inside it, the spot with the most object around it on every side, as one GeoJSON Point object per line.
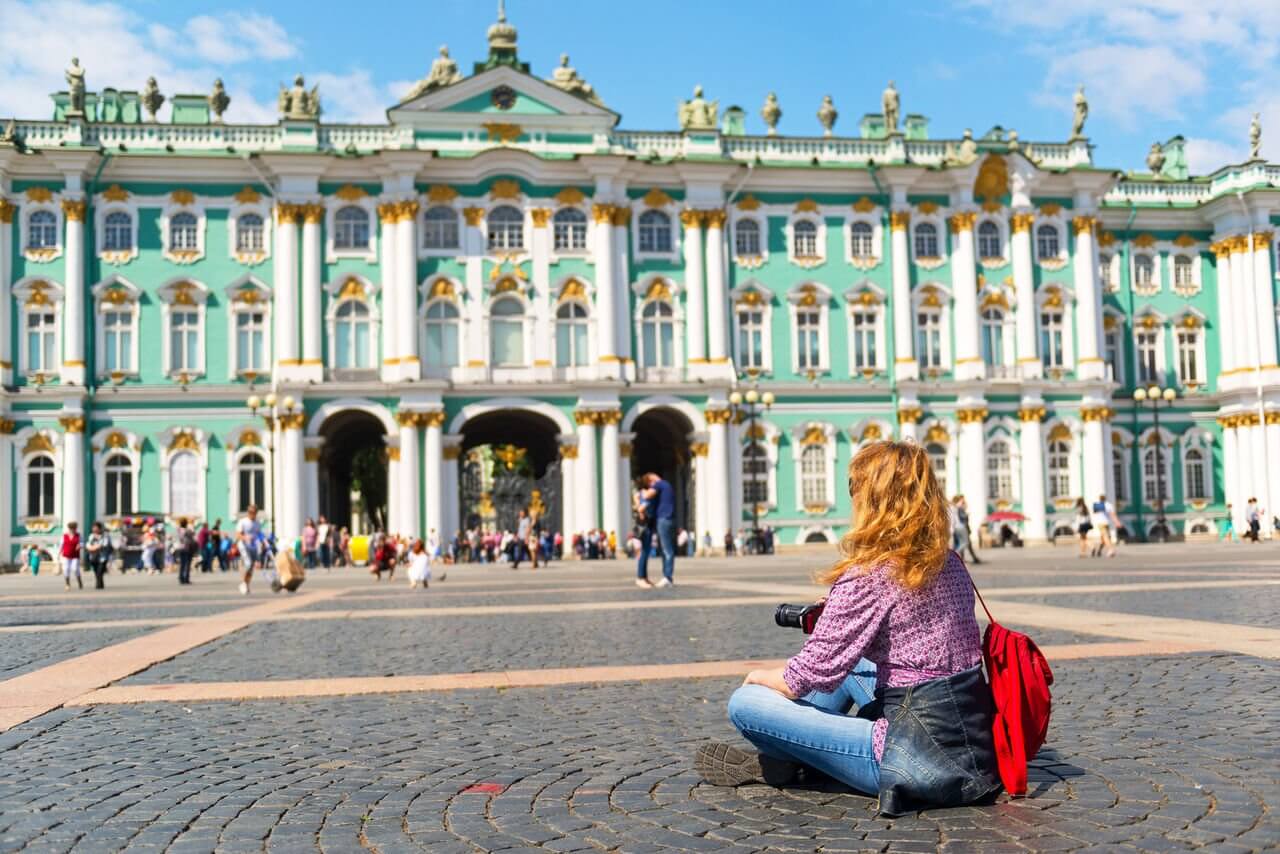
{"type": "Point", "coordinates": [324, 539]}
{"type": "Point", "coordinates": [1228, 531]}
{"type": "Point", "coordinates": [248, 540]}
{"type": "Point", "coordinates": [33, 559]}
{"type": "Point", "coordinates": [96, 549]}
{"type": "Point", "coordinates": [663, 499]}
{"type": "Point", "coordinates": [520, 542]}
{"type": "Point", "coordinates": [310, 544]}
{"type": "Point", "coordinates": [961, 537]}
{"type": "Point", "coordinates": [204, 547]}
{"type": "Point", "coordinates": [185, 549]}
{"type": "Point", "coordinates": [1083, 526]}
{"type": "Point", "coordinates": [1253, 518]}
{"type": "Point", "coordinates": [1102, 517]}
{"type": "Point", "coordinates": [71, 556]}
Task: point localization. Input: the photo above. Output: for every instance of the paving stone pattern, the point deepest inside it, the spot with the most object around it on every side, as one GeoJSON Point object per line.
{"type": "Point", "coordinates": [1150, 754]}
{"type": "Point", "coordinates": [1251, 606]}
{"type": "Point", "coordinates": [22, 652]}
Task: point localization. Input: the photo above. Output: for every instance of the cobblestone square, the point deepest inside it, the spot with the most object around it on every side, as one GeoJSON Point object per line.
{"type": "Point", "coordinates": [558, 710]}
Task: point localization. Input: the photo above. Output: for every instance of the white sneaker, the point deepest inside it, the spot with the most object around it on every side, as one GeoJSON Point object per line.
{"type": "Point", "coordinates": [244, 588]}
{"type": "Point", "coordinates": [664, 582]}
{"type": "Point", "coordinates": [644, 583]}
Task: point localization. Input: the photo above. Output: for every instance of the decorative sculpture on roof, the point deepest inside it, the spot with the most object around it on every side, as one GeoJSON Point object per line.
{"type": "Point", "coordinates": [889, 105]}
{"type": "Point", "coordinates": [152, 100]}
{"type": "Point", "coordinates": [10, 133]}
{"type": "Point", "coordinates": [1014, 145]}
{"type": "Point", "coordinates": [75, 88]}
{"type": "Point", "coordinates": [771, 113]}
{"type": "Point", "coordinates": [698, 114]}
{"type": "Point", "coordinates": [827, 115]}
{"type": "Point", "coordinates": [1081, 113]}
{"type": "Point", "coordinates": [965, 153]}
{"type": "Point", "coordinates": [444, 72]}
{"type": "Point", "coordinates": [1255, 137]}
{"type": "Point", "coordinates": [1155, 159]}
{"type": "Point", "coordinates": [566, 77]}
{"type": "Point", "coordinates": [219, 100]}
{"type": "Point", "coordinates": [297, 103]}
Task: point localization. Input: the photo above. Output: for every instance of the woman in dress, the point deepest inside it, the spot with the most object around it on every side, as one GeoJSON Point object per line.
{"type": "Point", "coordinates": [419, 565]}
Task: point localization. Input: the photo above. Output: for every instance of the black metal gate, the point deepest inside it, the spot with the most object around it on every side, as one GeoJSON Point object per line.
{"type": "Point", "coordinates": [496, 501]}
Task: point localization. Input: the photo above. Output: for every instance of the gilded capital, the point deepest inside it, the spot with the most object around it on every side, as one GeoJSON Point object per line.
{"type": "Point", "coordinates": [609, 417]}
{"type": "Point", "coordinates": [602, 214]}
{"type": "Point", "coordinates": [1221, 249]}
{"type": "Point", "coordinates": [691, 218]}
{"type": "Point", "coordinates": [568, 452]}
{"type": "Point", "coordinates": [714, 218]}
{"type": "Point", "coordinates": [72, 423]}
{"type": "Point", "coordinates": [1032, 413]}
{"type": "Point", "coordinates": [7, 426]}
{"type": "Point", "coordinates": [972, 415]}
{"type": "Point", "coordinates": [286, 212]}
{"type": "Point", "coordinates": [621, 216]}
{"type": "Point", "coordinates": [407, 209]}
{"type": "Point", "coordinates": [1021, 222]}
{"type": "Point", "coordinates": [540, 217]}
{"type": "Point", "coordinates": [451, 452]}
{"type": "Point", "coordinates": [699, 449]}
{"type": "Point", "coordinates": [311, 455]}
{"type": "Point", "coordinates": [1084, 224]}
{"type": "Point", "coordinates": [473, 216]}
{"type": "Point", "coordinates": [393, 455]}
{"type": "Point", "coordinates": [899, 220]}
{"type": "Point", "coordinates": [1097, 413]}
{"type": "Point", "coordinates": [910, 415]}
{"type": "Point", "coordinates": [1238, 243]}
{"type": "Point", "coordinates": [719, 416]}
{"type": "Point", "coordinates": [405, 418]}
{"type": "Point", "coordinates": [963, 221]}
{"type": "Point", "coordinates": [431, 419]}
{"type": "Point", "coordinates": [73, 209]}
{"type": "Point", "coordinates": [293, 420]}
{"type": "Point", "coordinates": [1262, 239]}
{"type": "Point", "coordinates": [388, 212]}
{"type": "Point", "coordinates": [7, 209]}
{"type": "Point", "coordinates": [585, 417]}
{"type": "Point", "coordinates": [313, 213]}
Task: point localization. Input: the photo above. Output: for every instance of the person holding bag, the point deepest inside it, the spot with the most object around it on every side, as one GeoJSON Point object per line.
{"type": "Point", "coordinates": [97, 548]}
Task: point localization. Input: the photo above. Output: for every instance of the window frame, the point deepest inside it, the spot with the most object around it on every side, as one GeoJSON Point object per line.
{"type": "Point", "coordinates": [183, 295]}
{"type": "Point", "coordinates": [753, 297]}
{"type": "Point", "coordinates": [810, 296]}
{"type": "Point", "coordinates": [102, 306]}
{"type": "Point", "coordinates": [37, 295]}
{"type": "Point", "coordinates": [246, 257]}
{"type": "Point", "coordinates": [102, 216]}
{"type": "Point", "coordinates": [1150, 482]}
{"type": "Point", "coordinates": [173, 446]}
{"type": "Point", "coordinates": [1048, 294]}
{"type": "Point", "coordinates": [54, 474]}
{"type": "Point", "coordinates": [526, 322]}
{"type": "Point", "coordinates": [238, 304]}
{"type": "Point", "coordinates": [1151, 324]}
{"type": "Point", "coordinates": [1057, 224]}
{"type": "Point", "coordinates": [1157, 273]}
{"type": "Point", "coordinates": [333, 205]}
{"type": "Point", "coordinates": [111, 442]}
{"type": "Point", "coordinates": [932, 298]}
{"type": "Point", "coordinates": [519, 224]}
{"type": "Point", "coordinates": [866, 299]}
{"type": "Point", "coordinates": [802, 436]}
{"type": "Point", "coordinates": [1189, 325]}
{"type": "Point", "coordinates": [44, 253]}
{"type": "Point", "coordinates": [640, 226]}
{"type": "Point", "coordinates": [1196, 442]}
{"type": "Point", "coordinates": [578, 325]}
{"type": "Point", "coordinates": [995, 474]}
{"type": "Point", "coordinates": [240, 445]}
{"type": "Point", "coordinates": [871, 219]}
{"type": "Point", "coordinates": [426, 322]}
{"type": "Point", "coordinates": [579, 231]}
{"type": "Point", "coordinates": [1001, 258]}
{"type": "Point", "coordinates": [940, 238]}
{"type": "Point", "coordinates": [657, 287]}
{"type": "Point", "coordinates": [425, 249]}
{"type": "Point", "coordinates": [171, 210]}
{"type": "Point", "coordinates": [737, 217]}
{"type": "Point", "coordinates": [1058, 464]}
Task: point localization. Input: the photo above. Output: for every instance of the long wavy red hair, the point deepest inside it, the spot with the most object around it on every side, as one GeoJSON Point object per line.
{"type": "Point", "coordinates": [900, 516]}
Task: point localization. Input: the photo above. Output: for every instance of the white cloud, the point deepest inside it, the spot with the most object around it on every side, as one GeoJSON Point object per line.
{"type": "Point", "coordinates": [1127, 82]}
{"type": "Point", "coordinates": [1205, 155]}
{"type": "Point", "coordinates": [350, 97]}
{"type": "Point", "coordinates": [398, 89]}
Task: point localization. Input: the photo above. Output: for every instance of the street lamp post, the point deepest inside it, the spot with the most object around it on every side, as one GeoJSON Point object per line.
{"type": "Point", "coordinates": [750, 404]}
{"type": "Point", "coordinates": [270, 408]}
{"type": "Point", "coordinates": [1156, 396]}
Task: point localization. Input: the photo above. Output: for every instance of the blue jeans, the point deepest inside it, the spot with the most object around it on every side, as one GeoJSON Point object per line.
{"type": "Point", "coordinates": [667, 539]}
{"type": "Point", "coordinates": [816, 731]}
{"type": "Point", "coordinates": [646, 549]}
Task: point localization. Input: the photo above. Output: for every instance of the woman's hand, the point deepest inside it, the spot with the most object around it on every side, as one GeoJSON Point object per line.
{"type": "Point", "coordinates": [770, 679]}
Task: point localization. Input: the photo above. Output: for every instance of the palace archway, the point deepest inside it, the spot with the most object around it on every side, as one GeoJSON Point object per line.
{"type": "Point", "coordinates": [353, 470]}
{"type": "Point", "coordinates": [510, 462]}
{"type": "Point", "coordinates": [661, 445]}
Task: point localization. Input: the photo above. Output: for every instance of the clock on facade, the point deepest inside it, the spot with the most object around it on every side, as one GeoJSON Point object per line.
{"type": "Point", "coordinates": [503, 97]}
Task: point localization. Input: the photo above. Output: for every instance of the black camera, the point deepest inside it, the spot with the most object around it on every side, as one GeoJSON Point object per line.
{"type": "Point", "coordinates": [802, 617]}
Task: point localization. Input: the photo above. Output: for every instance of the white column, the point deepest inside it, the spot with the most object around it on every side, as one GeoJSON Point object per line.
{"type": "Point", "coordinates": [717, 292]}
{"type": "Point", "coordinates": [904, 339]}
{"type": "Point", "coordinates": [718, 472]}
{"type": "Point", "coordinates": [8, 346]}
{"type": "Point", "coordinates": [1242, 305]}
{"type": "Point", "coordinates": [621, 276]}
{"type": "Point", "coordinates": [909, 416]}
{"type": "Point", "coordinates": [1097, 463]}
{"type": "Point", "coordinates": [311, 476]}
{"type": "Point", "coordinates": [410, 472]}
{"type": "Point", "coordinates": [585, 484]}
{"type": "Point", "coordinates": [6, 493]}
{"type": "Point", "coordinates": [433, 463]}
{"type": "Point", "coordinates": [703, 488]}
{"type": "Point", "coordinates": [1259, 490]}
{"type": "Point", "coordinates": [1024, 286]}
{"type": "Point", "coordinates": [694, 315]}
{"type": "Point", "coordinates": [1265, 309]}
{"type": "Point", "coordinates": [1272, 438]}
{"type": "Point", "coordinates": [393, 485]}
{"type": "Point", "coordinates": [284, 260]}
{"type": "Point", "coordinates": [387, 214]}
{"type": "Point", "coordinates": [973, 463]}
{"type": "Point", "coordinates": [1226, 336]}
{"type": "Point", "coordinates": [406, 299]}
{"type": "Point", "coordinates": [606, 322]}
{"type": "Point", "coordinates": [1031, 446]}
{"type": "Point", "coordinates": [1231, 470]}
{"type": "Point", "coordinates": [291, 481]}
{"type": "Point", "coordinates": [610, 471]}
{"type": "Point", "coordinates": [1089, 363]}
{"type": "Point", "coordinates": [73, 365]}
{"type": "Point", "coordinates": [450, 498]}
{"type": "Point", "coordinates": [544, 300]}
{"type": "Point", "coordinates": [736, 433]}
{"type": "Point", "coordinates": [312, 361]}
{"type": "Point", "coordinates": [964, 276]}
{"type": "Point", "coordinates": [473, 245]}
{"type": "Point", "coordinates": [568, 490]}
{"type": "Point", "coordinates": [73, 469]}
{"type": "Point", "coordinates": [1249, 460]}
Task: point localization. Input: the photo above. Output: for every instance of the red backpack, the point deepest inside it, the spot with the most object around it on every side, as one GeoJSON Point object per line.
{"type": "Point", "coordinates": [1020, 679]}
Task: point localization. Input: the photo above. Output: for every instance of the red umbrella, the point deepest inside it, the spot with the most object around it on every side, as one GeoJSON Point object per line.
{"type": "Point", "coordinates": [1006, 516]}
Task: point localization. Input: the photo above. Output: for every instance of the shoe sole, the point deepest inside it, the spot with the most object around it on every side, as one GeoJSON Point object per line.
{"type": "Point", "coordinates": [723, 764]}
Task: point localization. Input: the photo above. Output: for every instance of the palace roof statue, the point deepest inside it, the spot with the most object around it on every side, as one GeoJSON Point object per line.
{"type": "Point", "coordinates": [444, 72]}
{"type": "Point", "coordinates": [1155, 159]}
{"type": "Point", "coordinates": [889, 105]}
{"type": "Point", "coordinates": [219, 100]}
{"type": "Point", "coordinates": [771, 113]}
{"type": "Point", "coordinates": [75, 87]}
{"type": "Point", "coordinates": [566, 77]}
{"type": "Point", "coordinates": [152, 100]}
{"type": "Point", "coordinates": [827, 115]}
{"type": "Point", "coordinates": [1255, 137]}
{"type": "Point", "coordinates": [698, 114]}
{"type": "Point", "coordinates": [297, 103]}
{"type": "Point", "coordinates": [1081, 113]}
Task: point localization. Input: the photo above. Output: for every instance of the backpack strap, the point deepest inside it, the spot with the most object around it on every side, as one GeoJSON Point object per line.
{"type": "Point", "coordinates": [990, 619]}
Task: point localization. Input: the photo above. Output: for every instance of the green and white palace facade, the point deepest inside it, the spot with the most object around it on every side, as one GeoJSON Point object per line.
{"type": "Point", "coordinates": [514, 302]}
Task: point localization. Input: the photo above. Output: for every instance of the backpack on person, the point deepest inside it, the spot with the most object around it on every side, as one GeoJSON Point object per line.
{"type": "Point", "coordinates": [1020, 678]}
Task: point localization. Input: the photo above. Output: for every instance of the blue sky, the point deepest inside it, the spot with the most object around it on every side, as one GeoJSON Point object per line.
{"type": "Point", "coordinates": [1152, 68]}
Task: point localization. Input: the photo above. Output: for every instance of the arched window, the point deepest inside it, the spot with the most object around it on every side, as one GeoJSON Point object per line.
{"type": "Point", "coordinates": [41, 335]}
{"type": "Point", "coordinates": [809, 338]}
{"type": "Point", "coordinates": [1053, 338]}
{"type": "Point", "coordinates": [1119, 476]}
{"type": "Point", "coordinates": [440, 228]}
{"type": "Point", "coordinates": [506, 332]}
{"type": "Point", "coordinates": [658, 334]}
{"type": "Point", "coordinates": [751, 336]}
{"type": "Point", "coordinates": [118, 470]}
{"type": "Point", "coordinates": [353, 332]}
{"type": "Point", "coordinates": [252, 475]}
{"type": "Point", "coordinates": [929, 337]}
{"type": "Point", "coordinates": [1047, 243]}
{"type": "Point", "coordinates": [755, 474]}
{"type": "Point", "coordinates": [571, 335]}
{"type": "Point", "coordinates": [506, 228]}
{"type": "Point", "coordinates": [1147, 342]}
{"type": "Point", "coordinates": [655, 232]}
{"type": "Point", "coordinates": [927, 240]}
{"type": "Point", "coordinates": [42, 230]}
{"type": "Point", "coordinates": [1059, 464]}
{"type": "Point", "coordinates": [184, 485]}
{"type": "Point", "coordinates": [746, 238]}
{"type": "Point", "coordinates": [1197, 475]}
{"type": "Point", "coordinates": [442, 334]}
{"type": "Point", "coordinates": [999, 471]}
{"type": "Point", "coordinates": [989, 240]}
{"type": "Point", "coordinates": [804, 236]}
{"type": "Point", "coordinates": [863, 346]}
{"type": "Point", "coordinates": [1155, 483]}
{"type": "Point", "coordinates": [184, 232]}
{"type": "Point", "coordinates": [184, 340]}
{"type": "Point", "coordinates": [117, 232]}
{"type": "Point", "coordinates": [993, 335]}
{"type": "Point", "coordinates": [351, 228]}
{"type": "Point", "coordinates": [813, 475]}
{"type": "Point", "coordinates": [1144, 272]}
{"type": "Point", "coordinates": [249, 233]}
{"type": "Point", "coordinates": [1182, 272]}
{"type": "Point", "coordinates": [938, 462]}
{"type": "Point", "coordinates": [117, 342]}
{"type": "Point", "coordinates": [569, 230]}
{"type": "Point", "coordinates": [41, 485]}
{"type": "Point", "coordinates": [861, 240]}
{"type": "Point", "coordinates": [1188, 341]}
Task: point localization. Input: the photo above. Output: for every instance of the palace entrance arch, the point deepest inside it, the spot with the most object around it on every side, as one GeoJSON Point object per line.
{"type": "Point", "coordinates": [353, 470]}
{"type": "Point", "coordinates": [510, 462]}
{"type": "Point", "coordinates": [661, 445]}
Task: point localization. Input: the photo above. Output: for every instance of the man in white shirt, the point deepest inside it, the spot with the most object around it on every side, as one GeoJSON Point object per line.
{"type": "Point", "coordinates": [249, 535]}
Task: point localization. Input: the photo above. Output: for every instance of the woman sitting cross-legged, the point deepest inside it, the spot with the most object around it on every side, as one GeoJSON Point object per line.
{"type": "Point", "coordinates": [887, 696]}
